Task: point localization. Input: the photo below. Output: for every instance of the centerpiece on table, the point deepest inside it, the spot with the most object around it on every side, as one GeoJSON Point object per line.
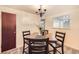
{"type": "Point", "coordinates": [40, 29]}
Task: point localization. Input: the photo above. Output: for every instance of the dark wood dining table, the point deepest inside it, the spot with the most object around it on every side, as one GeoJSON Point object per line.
{"type": "Point", "coordinates": [35, 36]}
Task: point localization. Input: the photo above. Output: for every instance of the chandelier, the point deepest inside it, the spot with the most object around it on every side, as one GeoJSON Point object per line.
{"type": "Point", "coordinates": [41, 11]}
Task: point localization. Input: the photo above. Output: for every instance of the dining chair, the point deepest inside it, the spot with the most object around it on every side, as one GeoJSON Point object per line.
{"type": "Point", "coordinates": [25, 41]}
{"type": "Point", "coordinates": [38, 46]}
{"type": "Point", "coordinates": [59, 43]}
{"type": "Point", "coordinates": [45, 32]}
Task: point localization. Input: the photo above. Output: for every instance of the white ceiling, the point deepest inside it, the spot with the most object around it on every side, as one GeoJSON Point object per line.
{"type": "Point", "coordinates": [51, 9]}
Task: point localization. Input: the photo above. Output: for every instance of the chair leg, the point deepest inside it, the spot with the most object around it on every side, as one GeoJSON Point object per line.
{"type": "Point", "coordinates": [23, 48]}
{"type": "Point", "coordinates": [54, 52]}
{"type": "Point", "coordinates": [62, 50]}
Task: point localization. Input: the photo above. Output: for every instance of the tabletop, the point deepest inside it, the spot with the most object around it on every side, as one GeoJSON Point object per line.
{"type": "Point", "coordinates": [38, 36]}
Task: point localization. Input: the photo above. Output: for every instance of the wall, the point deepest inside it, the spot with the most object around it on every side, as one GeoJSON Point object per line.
{"type": "Point", "coordinates": [72, 33]}
{"type": "Point", "coordinates": [24, 21]}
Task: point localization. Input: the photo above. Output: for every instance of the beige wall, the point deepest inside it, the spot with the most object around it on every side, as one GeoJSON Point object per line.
{"type": "Point", "coordinates": [72, 33]}
{"type": "Point", "coordinates": [24, 21]}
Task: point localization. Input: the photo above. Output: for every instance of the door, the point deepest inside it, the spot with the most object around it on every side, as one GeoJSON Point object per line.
{"type": "Point", "coordinates": [8, 31]}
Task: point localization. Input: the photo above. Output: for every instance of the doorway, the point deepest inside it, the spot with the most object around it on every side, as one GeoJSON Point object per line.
{"type": "Point", "coordinates": [8, 31]}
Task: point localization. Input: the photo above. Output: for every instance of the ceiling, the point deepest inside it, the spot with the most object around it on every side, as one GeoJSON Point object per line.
{"type": "Point", "coordinates": [51, 9]}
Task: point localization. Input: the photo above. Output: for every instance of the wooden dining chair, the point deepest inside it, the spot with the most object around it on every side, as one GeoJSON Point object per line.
{"type": "Point", "coordinates": [25, 41]}
{"type": "Point", "coordinates": [38, 46]}
{"type": "Point", "coordinates": [59, 43]}
{"type": "Point", "coordinates": [45, 32]}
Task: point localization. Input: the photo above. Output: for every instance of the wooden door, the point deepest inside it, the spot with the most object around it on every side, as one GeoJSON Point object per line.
{"type": "Point", "coordinates": [8, 31]}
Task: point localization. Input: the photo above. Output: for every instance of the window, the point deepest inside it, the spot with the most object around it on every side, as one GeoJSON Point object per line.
{"type": "Point", "coordinates": [61, 22]}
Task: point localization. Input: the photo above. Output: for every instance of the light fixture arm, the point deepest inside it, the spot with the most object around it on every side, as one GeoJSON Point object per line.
{"type": "Point", "coordinates": [41, 12]}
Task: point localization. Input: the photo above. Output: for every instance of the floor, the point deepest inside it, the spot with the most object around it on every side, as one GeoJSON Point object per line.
{"type": "Point", "coordinates": [67, 50]}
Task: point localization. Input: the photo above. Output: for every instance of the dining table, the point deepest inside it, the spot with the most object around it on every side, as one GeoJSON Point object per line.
{"type": "Point", "coordinates": [39, 36]}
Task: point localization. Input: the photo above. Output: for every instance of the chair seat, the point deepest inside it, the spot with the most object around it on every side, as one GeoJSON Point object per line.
{"type": "Point", "coordinates": [55, 44]}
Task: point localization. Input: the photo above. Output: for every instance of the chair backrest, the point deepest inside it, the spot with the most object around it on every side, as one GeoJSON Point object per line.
{"type": "Point", "coordinates": [45, 32]}
{"type": "Point", "coordinates": [60, 36]}
{"type": "Point", "coordinates": [38, 46]}
{"type": "Point", "coordinates": [25, 33]}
